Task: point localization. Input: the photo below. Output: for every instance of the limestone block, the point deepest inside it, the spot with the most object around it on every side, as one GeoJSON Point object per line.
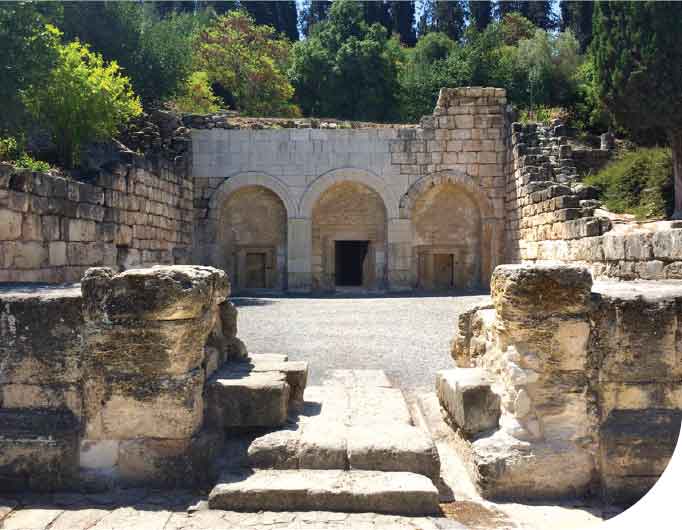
{"type": "Point", "coordinates": [151, 347]}
{"type": "Point", "coordinates": [636, 447]}
{"type": "Point", "coordinates": [503, 468]}
{"type": "Point", "coordinates": [329, 490]}
{"type": "Point", "coordinates": [467, 397]}
{"type": "Point", "coordinates": [637, 338]}
{"type": "Point", "coordinates": [170, 463]}
{"type": "Point", "coordinates": [531, 292]}
{"type": "Point", "coordinates": [228, 319]}
{"type": "Point", "coordinates": [275, 450]}
{"type": "Point", "coordinates": [10, 225]}
{"type": "Point", "coordinates": [295, 373]}
{"type": "Point", "coordinates": [119, 407]}
{"type": "Point", "coordinates": [81, 230]}
{"type": "Point", "coordinates": [40, 336]}
{"type": "Point", "coordinates": [393, 447]}
{"type": "Point", "coordinates": [38, 450]}
{"type": "Point", "coordinates": [58, 396]}
{"type": "Point", "coordinates": [667, 244]}
{"type": "Point", "coordinates": [177, 292]}
{"type": "Point", "coordinates": [251, 400]}
{"type": "Point", "coordinates": [323, 445]}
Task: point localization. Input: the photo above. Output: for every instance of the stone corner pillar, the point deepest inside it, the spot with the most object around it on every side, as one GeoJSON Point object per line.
{"type": "Point", "coordinates": [143, 376]}
{"type": "Point", "coordinates": [299, 254]}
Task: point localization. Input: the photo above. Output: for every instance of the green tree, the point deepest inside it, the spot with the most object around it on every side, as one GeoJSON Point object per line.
{"type": "Point", "coordinates": [198, 96]}
{"type": "Point", "coordinates": [28, 45]}
{"type": "Point", "coordinates": [577, 16]}
{"type": "Point", "coordinates": [480, 13]}
{"type": "Point", "coordinates": [313, 11]}
{"type": "Point", "coordinates": [282, 15]}
{"type": "Point", "coordinates": [402, 16]}
{"type": "Point", "coordinates": [154, 51]}
{"type": "Point", "coordinates": [638, 60]}
{"type": "Point", "coordinates": [345, 68]}
{"type": "Point", "coordinates": [84, 99]}
{"type": "Point", "coordinates": [249, 62]}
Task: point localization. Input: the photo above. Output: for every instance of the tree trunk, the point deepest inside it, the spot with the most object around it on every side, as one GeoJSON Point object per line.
{"type": "Point", "coordinates": [676, 145]}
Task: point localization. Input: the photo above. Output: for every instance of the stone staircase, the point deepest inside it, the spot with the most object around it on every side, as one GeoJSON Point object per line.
{"type": "Point", "coordinates": [348, 445]}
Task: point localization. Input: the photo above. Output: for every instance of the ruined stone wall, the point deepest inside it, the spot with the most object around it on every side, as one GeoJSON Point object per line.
{"type": "Point", "coordinates": [136, 212]}
{"type": "Point", "coordinates": [106, 387]}
{"type": "Point", "coordinates": [550, 216]}
{"type": "Point", "coordinates": [588, 379]}
{"type": "Point", "coordinates": [463, 144]}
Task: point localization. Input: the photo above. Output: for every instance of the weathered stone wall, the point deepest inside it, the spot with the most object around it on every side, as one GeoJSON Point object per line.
{"type": "Point", "coordinates": [136, 212]}
{"type": "Point", "coordinates": [588, 378]}
{"type": "Point", "coordinates": [107, 387]}
{"type": "Point", "coordinates": [550, 216]}
{"type": "Point", "coordinates": [463, 143]}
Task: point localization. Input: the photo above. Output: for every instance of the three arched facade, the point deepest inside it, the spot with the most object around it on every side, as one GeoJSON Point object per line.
{"type": "Point", "coordinates": [350, 229]}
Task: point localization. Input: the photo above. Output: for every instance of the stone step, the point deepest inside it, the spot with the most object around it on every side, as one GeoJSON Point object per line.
{"type": "Point", "coordinates": [254, 393]}
{"type": "Point", "coordinates": [467, 397]}
{"type": "Point", "coordinates": [322, 445]}
{"type": "Point", "coordinates": [325, 490]}
{"type": "Point", "coordinates": [355, 421]}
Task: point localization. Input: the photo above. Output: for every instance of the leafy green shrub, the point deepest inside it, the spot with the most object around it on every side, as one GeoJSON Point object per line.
{"type": "Point", "coordinates": [9, 148]}
{"type": "Point", "coordinates": [541, 114]}
{"type": "Point", "coordinates": [640, 183]}
{"type": "Point", "coordinates": [84, 99]}
{"type": "Point", "coordinates": [197, 96]}
{"type": "Point", "coordinates": [28, 162]}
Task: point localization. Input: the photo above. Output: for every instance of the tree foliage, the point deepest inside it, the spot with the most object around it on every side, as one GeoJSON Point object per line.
{"type": "Point", "coordinates": [344, 68]}
{"type": "Point", "coordinates": [249, 62]}
{"type": "Point", "coordinates": [282, 15]}
{"type": "Point", "coordinates": [577, 16]}
{"type": "Point", "coordinates": [638, 64]}
{"type": "Point", "coordinates": [197, 96]}
{"type": "Point", "coordinates": [154, 51]}
{"type": "Point", "coordinates": [28, 44]}
{"type": "Point", "coordinates": [313, 11]}
{"type": "Point", "coordinates": [480, 13]}
{"type": "Point", "coordinates": [84, 99]}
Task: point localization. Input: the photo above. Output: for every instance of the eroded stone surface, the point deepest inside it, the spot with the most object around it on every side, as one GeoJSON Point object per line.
{"type": "Point", "coordinates": [466, 395]}
{"type": "Point", "coordinates": [258, 399]}
{"type": "Point", "coordinates": [346, 491]}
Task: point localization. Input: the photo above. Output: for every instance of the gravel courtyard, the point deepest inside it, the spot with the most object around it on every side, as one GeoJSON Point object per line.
{"type": "Point", "coordinates": [407, 336]}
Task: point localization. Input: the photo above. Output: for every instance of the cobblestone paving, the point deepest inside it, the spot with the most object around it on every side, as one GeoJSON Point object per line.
{"type": "Point", "coordinates": [406, 336]}
{"type": "Point", "coordinates": [144, 510]}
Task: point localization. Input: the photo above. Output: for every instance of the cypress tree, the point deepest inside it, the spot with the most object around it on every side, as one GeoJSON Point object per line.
{"type": "Point", "coordinates": [638, 65]}
{"type": "Point", "coordinates": [480, 13]}
{"type": "Point", "coordinates": [402, 15]}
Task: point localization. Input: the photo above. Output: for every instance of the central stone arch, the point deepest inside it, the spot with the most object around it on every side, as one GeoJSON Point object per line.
{"type": "Point", "coordinates": [360, 176]}
{"type": "Point", "coordinates": [349, 238]}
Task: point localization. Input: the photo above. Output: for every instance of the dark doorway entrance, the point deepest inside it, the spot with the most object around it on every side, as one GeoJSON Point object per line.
{"type": "Point", "coordinates": [255, 270]}
{"type": "Point", "coordinates": [350, 259]}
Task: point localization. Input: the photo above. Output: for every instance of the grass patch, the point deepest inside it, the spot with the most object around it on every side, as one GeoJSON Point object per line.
{"type": "Point", "coordinates": [640, 183]}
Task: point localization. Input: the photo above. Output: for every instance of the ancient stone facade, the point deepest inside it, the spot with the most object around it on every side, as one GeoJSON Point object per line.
{"type": "Point", "coordinates": [569, 387]}
{"type": "Point", "coordinates": [391, 207]}
{"type": "Point", "coordinates": [306, 204]}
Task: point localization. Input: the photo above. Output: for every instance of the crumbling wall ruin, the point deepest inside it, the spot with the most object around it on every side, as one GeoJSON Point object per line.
{"type": "Point", "coordinates": [552, 216]}
{"type": "Point", "coordinates": [107, 387]}
{"type": "Point", "coordinates": [578, 385]}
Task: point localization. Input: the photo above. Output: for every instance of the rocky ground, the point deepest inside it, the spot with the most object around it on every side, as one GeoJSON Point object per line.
{"type": "Point", "coordinates": [407, 336]}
